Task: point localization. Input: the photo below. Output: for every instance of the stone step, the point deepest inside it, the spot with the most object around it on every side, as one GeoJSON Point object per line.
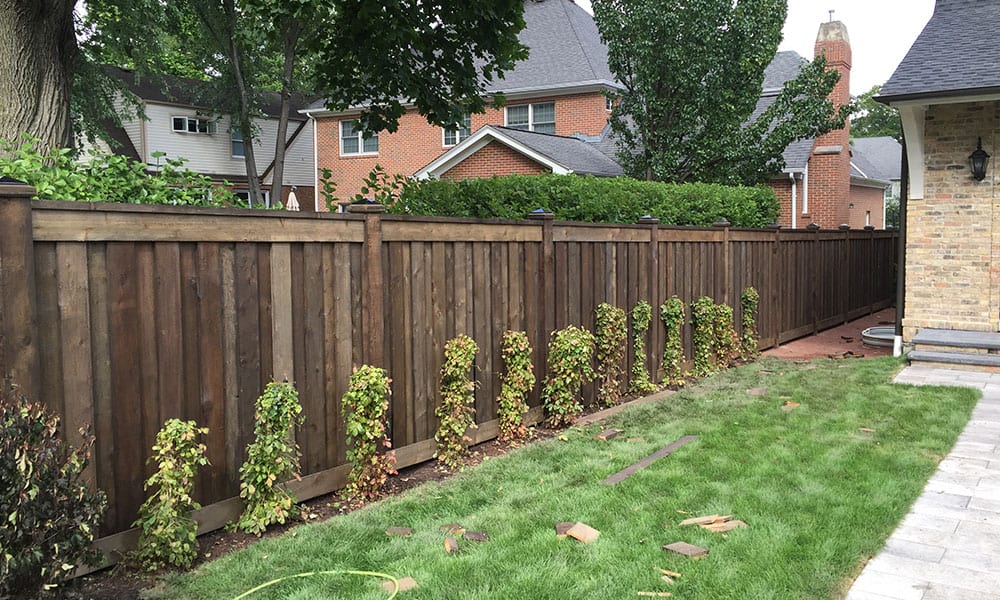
{"type": "Point", "coordinates": [954, 358]}
{"type": "Point", "coordinates": [954, 338]}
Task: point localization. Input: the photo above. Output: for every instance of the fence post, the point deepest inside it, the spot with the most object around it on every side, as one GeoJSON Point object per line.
{"type": "Point", "coordinates": [373, 313]}
{"type": "Point", "coordinates": [654, 287]}
{"type": "Point", "coordinates": [727, 266]}
{"type": "Point", "coordinates": [546, 271]}
{"type": "Point", "coordinates": [873, 273]}
{"type": "Point", "coordinates": [814, 279]}
{"type": "Point", "coordinates": [18, 318]}
{"type": "Point", "coordinates": [775, 283]}
{"type": "Point", "coordinates": [845, 297]}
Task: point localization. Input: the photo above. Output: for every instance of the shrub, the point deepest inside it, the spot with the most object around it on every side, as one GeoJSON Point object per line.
{"type": "Point", "coordinates": [642, 314]}
{"type": "Point", "coordinates": [50, 516]}
{"type": "Point", "coordinates": [58, 175]}
{"type": "Point", "coordinates": [749, 341]}
{"type": "Point", "coordinates": [726, 342]}
{"type": "Point", "coordinates": [604, 200]}
{"type": "Point", "coordinates": [169, 534]}
{"type": "Point", "coordinates": [365, 408]}
{"type": "Point", "coordinates": [570, 352]}
{"type": "Point", "coordinates": [456, 411]}
{"type": "Point", "coordinates": [515, 384]}
{"type": "Point", "coordinates": [272, 459]}
{"type": "Point", "coordinates": [703, 324]}
{"type": "Point", "coordinates": [610, 341]}
{"type": "Point", "coordinates": [672, 314]}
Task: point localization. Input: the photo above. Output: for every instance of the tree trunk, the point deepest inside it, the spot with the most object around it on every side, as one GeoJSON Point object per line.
{"type": "Point", "coordinates": [291, 41]}
{"type": "Point", "coordinates": [245, 103]}
{"type": "Point", "coordinates": [37, 56]}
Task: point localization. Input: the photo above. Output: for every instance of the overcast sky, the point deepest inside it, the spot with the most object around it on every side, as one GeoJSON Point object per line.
{"type": "Point", "coordinates": [881, 32]}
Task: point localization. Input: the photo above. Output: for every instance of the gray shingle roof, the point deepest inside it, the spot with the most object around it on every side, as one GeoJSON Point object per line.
{"type": "Point", "coordinates": [956, 53]}
{"type": "Point", "coordinates": [879, 157]}
{"type": "Point", "coordinates": [582, 157]}
{"type": "Point", "coordinates": [565, 48]}
{"type": "Point", "coordinates": [785, 66]}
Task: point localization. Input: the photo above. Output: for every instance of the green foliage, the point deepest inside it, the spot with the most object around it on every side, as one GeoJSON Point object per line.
{"type": "Point", "coordinates": [516, 382]}
{"type": "Point", "coordinates": [456, 412]}
{"type": "Point", "coordinates": [169, 533]}
{"type": "Point", "coordinates": [610, 339]}
{"type": "Point", "coordinates": [594, 199]}
{"type": "Point", "coordinates": [379, 186]}
{"type": "Point", "coordinates": [50, 516]}
{"type": "Point", "coordinates": [726, 343]}
{"type": "Point", "coordinates": [703, 324]}
{"type": "Point", "coordinates": [874, 119]}
{"type": "Point", "coordinates": [692, 73]}
{"type": "Point", "coordinates": [365, 408]}
{"type": "Point", "coordinates": [749, 341]}
{"type": "Point", "coordinates": [570, 352]}
{"type": "Point", "coordinates": [672, 314]}
{"type": "Point", "coordinates": [642, 315]}
{"type": "Point", "coordinates": [57, 175]}
{"type": "Point", "coordinates": [272, 459]}
{"type": "Point", "coordinates": [327, 188]}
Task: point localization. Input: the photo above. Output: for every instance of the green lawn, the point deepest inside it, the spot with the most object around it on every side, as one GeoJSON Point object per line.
{"type": "Point", "coordinates": [820, 497]}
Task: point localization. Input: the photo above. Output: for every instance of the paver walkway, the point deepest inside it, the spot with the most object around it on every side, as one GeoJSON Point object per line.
{"type": "Point", "coordinates": [948, 546]}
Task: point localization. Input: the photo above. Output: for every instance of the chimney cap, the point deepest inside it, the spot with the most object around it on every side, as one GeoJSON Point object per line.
{"type": "Point", "coordinates": [833, 31]}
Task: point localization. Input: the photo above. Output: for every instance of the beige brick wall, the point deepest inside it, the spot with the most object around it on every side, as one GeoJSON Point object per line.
{"type": "Point", "coordinates": [953, 233]}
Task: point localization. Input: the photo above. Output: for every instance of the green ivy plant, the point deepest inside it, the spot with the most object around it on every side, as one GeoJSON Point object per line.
{"type": "Point", "coordinates": [365, 408]}
{"type": "Point", "coordinates": [456, 411]}
{"type": "Point", "coordinates": [749, 341]}
{"type": "Point", "coordinates": [59, 175]}
{"type": "Point", "coordinates": [672, 315]}
{"type": "Point", "coordinates": [640, 383]}
{"type": "Point", "coordinates": [570, 352]}
{"type": "Point", "coordinates": [168, 533]}
{"type": "Point", "coordinates": [703, 324]}
{"type": "Point", "coordinates": [272, 459]}
{"type": "Point", "coordinates": [610, 339]}
{"type": "Point", "coordinates": [726, 343]}
{"type": "Point", "coordinates": [516, 382]}
{"type": "Point", "coordinates": [50, 515]}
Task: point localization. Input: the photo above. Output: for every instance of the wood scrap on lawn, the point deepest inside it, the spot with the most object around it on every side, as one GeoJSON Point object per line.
{"type": "Point", "coordinates": [715, 523]}
{"type": "Point", "coordinates": [405, 584]}
{"type": "Point", "coordinates": [583, 532]}
{"type": "Point", "coordinates": [689, 550]}
{"type": "Point", "coordinates": [642, 464]}
{"type": "Point", "coordinates": [399, 531]}
{"type": "Point", "coordinates": [608, 434]}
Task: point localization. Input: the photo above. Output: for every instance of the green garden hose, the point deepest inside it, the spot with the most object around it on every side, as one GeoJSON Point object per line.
{"type": "Point", "coordinates": [395, 582]}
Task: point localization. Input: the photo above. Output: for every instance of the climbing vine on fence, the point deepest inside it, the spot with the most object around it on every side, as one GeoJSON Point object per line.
{"type": "Point", "coordinates": [610, 341]}
{"type": "Point", "coordinates": [750, 340]}
{"type": "Point", "coordinates": [456, 411]}
{"type": "Point", "coordinates": [570, 352]}
{"type": "Point", "coordinates": [703, 325]}
{"type": "Point", "coordinates": [272, 459]}
{"type": "Point", "coordinates": [515, 384]}
{"type": "Point", "coordinates": [642, 314]}
{"type": "Point", "coordinates": [672, 314]}
{"type": "Point", "coordinates": [365, 408]}
{"type": "Point", "coordinates": [726, 342]}
{"type": "Point", "coordinates": [168, 534]}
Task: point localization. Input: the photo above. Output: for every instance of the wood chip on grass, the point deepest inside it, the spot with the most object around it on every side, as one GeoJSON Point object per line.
{"type": "Point", "coordinates": [686, 549]}
{"type": "Point", "coordinates": [562, 528]}
{"type": "Point", "coordinates": [476, 536]}
{"type": "Point", "coordinates": [608, 434]}
{"type": "Point", "coordinates": [789, 406]}
{"type": "Point", "coordinates": [450, 545]}
{"type": "Point", "coordinates": [715, 523]}
{"type": "Point", "coordinates": [399, 531]}
{"type": "Point", "coordinates": [405, 584]}
{"type": "Point", "coordinates": [583, 532]}
{"type": "Point", "coordinates": [642, 464]}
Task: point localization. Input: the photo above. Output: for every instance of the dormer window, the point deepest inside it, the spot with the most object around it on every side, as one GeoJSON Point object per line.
{"type": "Point", "coordinates": [192, 125]}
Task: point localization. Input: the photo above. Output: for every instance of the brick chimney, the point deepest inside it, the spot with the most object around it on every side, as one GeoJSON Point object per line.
{"type": "Point", "coordinates": [830, 164]}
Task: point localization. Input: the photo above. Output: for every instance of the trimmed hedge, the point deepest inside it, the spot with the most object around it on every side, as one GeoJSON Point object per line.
{"type": "Point", "coordinates": [588, 198]}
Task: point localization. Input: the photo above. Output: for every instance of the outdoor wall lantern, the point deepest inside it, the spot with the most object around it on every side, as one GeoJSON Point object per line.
{"type": "Point", "coordinates": [978, 160]}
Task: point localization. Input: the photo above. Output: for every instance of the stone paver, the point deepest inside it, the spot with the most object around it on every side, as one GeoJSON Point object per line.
{"type": "Point", "coordinates": [948, 546]}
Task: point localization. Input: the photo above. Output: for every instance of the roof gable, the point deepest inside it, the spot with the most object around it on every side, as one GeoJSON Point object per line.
{"type": "Point", "coordinates": [878, 157]}
{"type": "Point", "coordinates": [955, 54]}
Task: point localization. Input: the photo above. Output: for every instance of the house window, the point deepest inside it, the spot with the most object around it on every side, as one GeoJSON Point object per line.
{"type": "Point", "coordinates": [192, 125]}
{"type": "Point", "coordinates": [609, 103]}
{"type": "Point", "coordinates": [352, 140]}
{"type": "Point", "coordinates": [455, 135]}
{"type": "Point", "coordinates": [540, 117]}
{"type": "Point", "coordinates": [245, 196]}
{"type": "Point", "coordinates": [868, 218]}
{"type": "Point", "coordinates": [236, 142]}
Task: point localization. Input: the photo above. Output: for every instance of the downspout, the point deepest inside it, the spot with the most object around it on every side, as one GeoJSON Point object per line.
{"type": "Point", "coordinates": [315, 164]}
{"type": "Point", "coordinates": [904, 185]}
{"type": "Point", "coordinates": [791, 177]}
{"type": "Point", "coordinates": [805, 189]}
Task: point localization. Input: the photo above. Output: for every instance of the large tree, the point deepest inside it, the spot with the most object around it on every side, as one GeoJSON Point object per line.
{"type": "Point", "coordinates": [874, 119]}
{"type": "Point", "coordinates": [693, 72]}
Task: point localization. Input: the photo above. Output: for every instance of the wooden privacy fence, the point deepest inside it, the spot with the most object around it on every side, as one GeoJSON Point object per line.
{"type": "Point", "coordinates": [125, 316]}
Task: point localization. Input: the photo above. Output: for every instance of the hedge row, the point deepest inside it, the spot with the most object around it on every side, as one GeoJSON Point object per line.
{"type": "Point", "coordinates": [594, 199]}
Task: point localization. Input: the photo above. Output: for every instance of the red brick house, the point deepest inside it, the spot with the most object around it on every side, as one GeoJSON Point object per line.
{"type": "Point", "coordinates": [826, 180]}
{"type": "Point", "coordinates": [559, 89]}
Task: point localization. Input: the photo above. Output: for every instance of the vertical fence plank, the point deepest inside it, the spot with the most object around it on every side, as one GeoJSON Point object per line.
{"type": "Point", "coordinates": [19, 359]}
{"type": "Point", "coordinates": [74, 315]}
{"type": "Point", "coordinates": [212, 349]}
{"type": "Point", "coordinates": [104, 451]}
{"type": "Point", "coordinates": [169, 336]}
